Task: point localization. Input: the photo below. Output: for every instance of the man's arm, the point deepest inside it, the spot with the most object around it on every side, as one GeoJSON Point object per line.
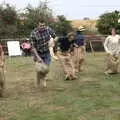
{"type": "Point", "coordinates": [106, 45]}
{"type": "Point", "coordinates": [52, 33]}
{"type": "Point", "coordinates": [34, 51]}
{"type": "Point", "coordinates": [2, 58]}
{"type": "Point", "coordinates": [118, 48]}
{"type": "Point", "coordinates": [33, 47]}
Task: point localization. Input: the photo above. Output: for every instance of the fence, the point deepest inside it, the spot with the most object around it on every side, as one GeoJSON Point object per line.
{"type": "Point", "coordinates": [95, 41]}
{"type": "Point", "coordinates": [4, 43]}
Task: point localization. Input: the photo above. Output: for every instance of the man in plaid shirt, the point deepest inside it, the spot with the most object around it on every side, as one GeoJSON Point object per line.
{"type": "Point", "coordinates": [40, 37]}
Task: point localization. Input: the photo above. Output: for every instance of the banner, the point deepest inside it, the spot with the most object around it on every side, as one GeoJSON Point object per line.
{"type": "Point", "coordinates": [14, 48]}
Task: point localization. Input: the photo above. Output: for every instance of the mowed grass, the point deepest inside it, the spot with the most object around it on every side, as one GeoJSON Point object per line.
{"type": "Point", "coordinates": [93, 96]}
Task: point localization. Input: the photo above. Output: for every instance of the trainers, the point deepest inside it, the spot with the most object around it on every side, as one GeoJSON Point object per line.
{"type": "Point", "coordinates": [74, 77]}
{"type": "Point", "coordinates": [67, 78]}
{"type": "Point", "coordinates": [44, 84]}
{"type": "Point", "coordinates": [108, 72]}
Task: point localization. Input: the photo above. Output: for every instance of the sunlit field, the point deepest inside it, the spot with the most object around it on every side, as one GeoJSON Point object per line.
{"type": "Point", "coordinates": [93, 96]}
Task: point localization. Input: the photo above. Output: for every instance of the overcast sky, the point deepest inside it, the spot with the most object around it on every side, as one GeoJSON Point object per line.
{"type": "Point", "coordinates": [73, 9]}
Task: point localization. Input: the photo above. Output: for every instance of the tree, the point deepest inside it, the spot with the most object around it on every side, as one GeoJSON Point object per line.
{"type": "Point", "coordinates": [8, 21]}
{"type": "Point", "coordinates": [62, 26]}
{"type": "Point", "coordinates": [33, 16]}
{"type": "Point", "coordinates": [107, 21]}
{"type": "Point", "coordinates": [14, 24]}
{"type": "Point", "coordinates": [42, 12]}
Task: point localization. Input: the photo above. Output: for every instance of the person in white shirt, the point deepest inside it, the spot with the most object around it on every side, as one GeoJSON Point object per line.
{"type": "Point", "coordinates": [112, 48]}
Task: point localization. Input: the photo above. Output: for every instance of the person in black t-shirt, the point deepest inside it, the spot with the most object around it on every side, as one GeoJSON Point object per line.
{"type": "Point", "coordinates": [65, 56]}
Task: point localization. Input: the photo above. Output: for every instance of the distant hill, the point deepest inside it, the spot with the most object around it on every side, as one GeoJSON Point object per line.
{"type": "Point", "coordinates": [88, 24]}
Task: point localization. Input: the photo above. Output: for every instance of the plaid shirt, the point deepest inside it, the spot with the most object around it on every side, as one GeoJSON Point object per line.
{"type": "Point", "coordinates": [40, 39]}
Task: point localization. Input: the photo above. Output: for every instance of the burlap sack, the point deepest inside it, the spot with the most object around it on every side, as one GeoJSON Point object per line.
{"type": "Point", "coordinates": [41, 67]}
{"type": "Point", "coordinates": [114, 64]}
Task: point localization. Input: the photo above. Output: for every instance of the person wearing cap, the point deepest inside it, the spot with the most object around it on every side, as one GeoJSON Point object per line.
{"type": "Point", "coordinates": [40, 38]}
{"type": "Point", "coordinates": [26, 47]}
{"type": "Point", "coordinates": [65, 56]}
{"type": "Point", "coordinates": [2, 60]}
{"type": "Point", "coordinates": [112, 48]}
{"type": "Point", "coordinates": [79, 49]}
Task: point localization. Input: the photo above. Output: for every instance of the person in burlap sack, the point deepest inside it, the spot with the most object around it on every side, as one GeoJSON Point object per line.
{"type": "Point", "coordinates": [2, 59]}
{"type": "Point", "coordinates": [65, 56]}
{"type": "Point", "coordinates": [40, 38]}
{"type": "Point", "coordinates": [112, 48]}
{"type": "Point", "coordinates": [79, 49]}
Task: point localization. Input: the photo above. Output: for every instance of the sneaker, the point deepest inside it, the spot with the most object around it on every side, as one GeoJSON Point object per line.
{"type": "Point", "coordinates": [67, 78]}
{"type": "Point", "coordinates": [108, 72]}
{"type": "Point", "coordinates": [44, 84]}
{"type": "Point", "coordinates": [74, 77]}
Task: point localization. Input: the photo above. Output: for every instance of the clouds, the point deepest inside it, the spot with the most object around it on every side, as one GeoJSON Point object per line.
{"type": "Point", "coordinates": [74, 9]}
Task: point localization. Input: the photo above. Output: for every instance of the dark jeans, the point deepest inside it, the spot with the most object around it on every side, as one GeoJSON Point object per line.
{"type": "Point", "coordinates": [46, 57]}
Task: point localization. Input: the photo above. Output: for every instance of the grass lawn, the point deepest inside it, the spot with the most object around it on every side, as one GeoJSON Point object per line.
{"type": "Point", "coordinates": [93, 96]}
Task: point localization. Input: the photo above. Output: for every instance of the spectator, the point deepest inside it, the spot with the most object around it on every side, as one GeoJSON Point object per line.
{"type": "Point", "coordinates": [26, 47]}
{"type": "Point", "coordinates": [112, 48]}
{"type": "Point", "coordinates": [79, 49]}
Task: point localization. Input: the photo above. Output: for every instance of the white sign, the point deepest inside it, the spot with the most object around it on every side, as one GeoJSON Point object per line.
{"type": "Point", "coordinates": [14, 48]}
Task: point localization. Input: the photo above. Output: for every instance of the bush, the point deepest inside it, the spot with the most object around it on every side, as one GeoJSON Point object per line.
{"type": "Point", "coordinates": [107, 21]}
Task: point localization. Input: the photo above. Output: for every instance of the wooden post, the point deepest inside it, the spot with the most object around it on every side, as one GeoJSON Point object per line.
{"type": "Point", "coordinates": [91, 46]}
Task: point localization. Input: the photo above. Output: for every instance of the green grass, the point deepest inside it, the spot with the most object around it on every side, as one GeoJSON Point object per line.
{"type": "Point", "coordinates": [93, 96]}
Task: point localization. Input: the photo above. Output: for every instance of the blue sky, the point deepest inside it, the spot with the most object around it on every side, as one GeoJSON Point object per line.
{"type": "Point", "coordinates": [73, 9]}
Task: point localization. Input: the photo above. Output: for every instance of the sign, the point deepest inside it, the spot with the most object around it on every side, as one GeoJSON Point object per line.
{"type": "Point", "coordinates": [14, 48]}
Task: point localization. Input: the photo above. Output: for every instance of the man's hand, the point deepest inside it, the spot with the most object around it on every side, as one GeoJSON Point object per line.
{"type": "Point", "coordinates": [39, 60]}
{"type": "Point", "coordinates": [109, 53]}
{"type": "Point", "coordinates": [36, 54]}
{"type": "Point", "coordinates": [72, 53]}
{"type": "Point", "coordinates": [55, 57]}
{"type": "Point", "coordinates": [56, 39]}
{"type": "Point", "coordinates": [2, 64]}
{"type": "Point", "coordinates": [76, 45]}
